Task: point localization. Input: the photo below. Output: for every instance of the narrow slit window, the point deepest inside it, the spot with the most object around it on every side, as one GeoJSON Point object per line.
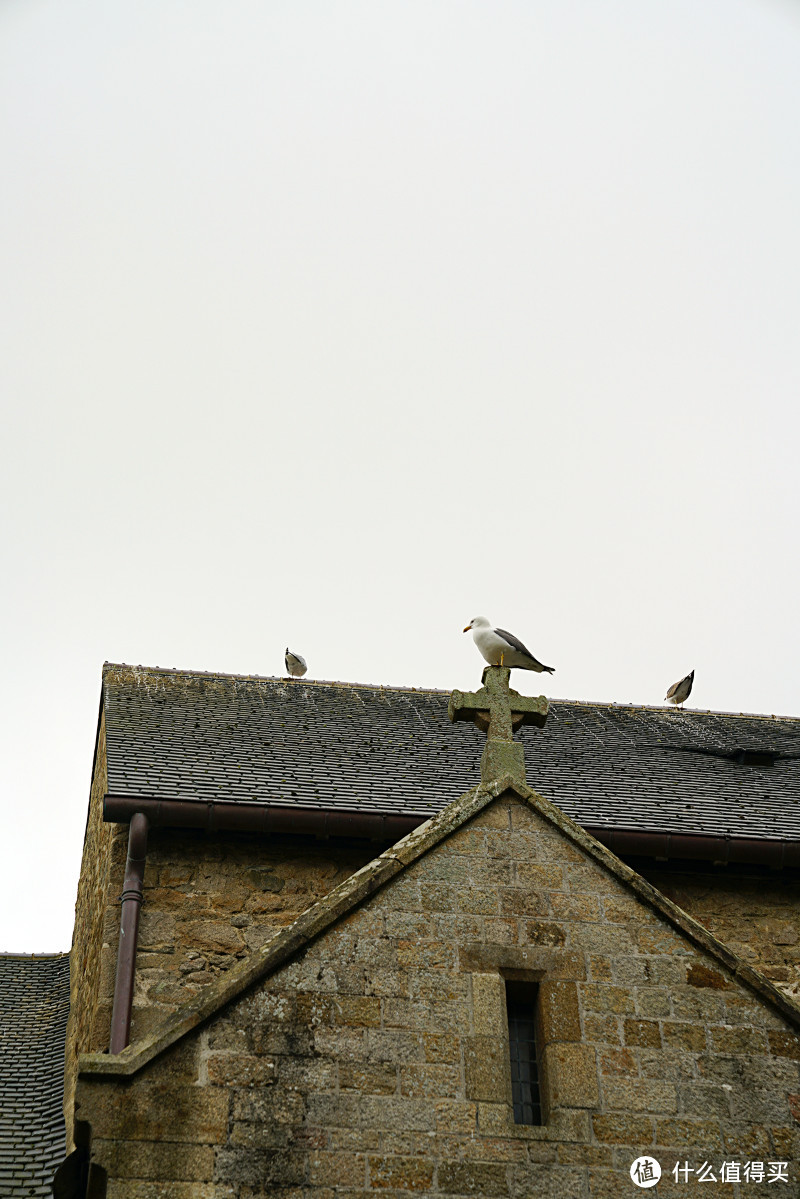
{"type": "Point", "coordinates": [521, 1009]}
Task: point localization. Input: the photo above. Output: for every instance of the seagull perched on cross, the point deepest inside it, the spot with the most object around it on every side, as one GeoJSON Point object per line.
{"type": "Point", "coordinates": [500, 648]}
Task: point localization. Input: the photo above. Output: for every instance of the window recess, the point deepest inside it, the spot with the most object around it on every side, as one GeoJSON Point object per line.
{"type": "Point", "coordinates": [521, 999]}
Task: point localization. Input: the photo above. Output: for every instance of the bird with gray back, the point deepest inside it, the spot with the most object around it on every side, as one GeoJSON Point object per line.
{"type": "Point", "coordinates": [680, 692]}
{"type": "Point", "coordinates": [500, 648]}
{"type": "Point", "coordinates": [295, 665]}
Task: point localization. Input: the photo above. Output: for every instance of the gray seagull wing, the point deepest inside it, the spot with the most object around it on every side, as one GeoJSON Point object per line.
{"type": "Point", "coordinates": [515, 643]}
{"type": "Point", "coordinates": [687, 679]}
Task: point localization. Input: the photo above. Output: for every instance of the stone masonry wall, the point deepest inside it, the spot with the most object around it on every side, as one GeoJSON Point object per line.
{"type": "Point", "coordinates": [208, 903]}
{"type": "Point", "coordinates": [756, 913]}
{"type": "Point", "coordinates": [87, 936]}
{"type": "Point", "coordinates": [376, 1061]}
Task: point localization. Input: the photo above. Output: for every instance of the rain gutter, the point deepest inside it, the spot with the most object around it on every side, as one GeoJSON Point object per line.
{"type": "Point", "coordinates": [751, 851]}
{"type": "Point", "coordinates": [235, 816]}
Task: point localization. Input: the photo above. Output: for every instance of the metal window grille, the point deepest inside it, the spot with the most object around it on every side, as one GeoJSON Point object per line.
{"type": "Point", "coordinates": [521, 1009]}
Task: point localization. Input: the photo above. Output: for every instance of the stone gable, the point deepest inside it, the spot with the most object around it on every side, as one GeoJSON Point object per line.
{"type": "Point", "coordinates": [365, 1049]}
{"type": "Point", "coordinates": [89, 946]}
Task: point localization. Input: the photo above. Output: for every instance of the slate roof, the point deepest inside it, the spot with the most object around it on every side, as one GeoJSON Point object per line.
{"type": "Point", "coordinates": [192, 736]}
{"type": "Point", "coordinates": [34, 1003]}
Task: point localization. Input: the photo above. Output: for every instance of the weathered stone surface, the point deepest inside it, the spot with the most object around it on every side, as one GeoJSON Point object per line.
{"type": "Point", "coordinates": [570, 1075]}
{"type": "Point", "coordinates": [263, 1169]}
{"type": "Point", "coordinates": [227, 1069]}
{"type": "Point", "coordinates": [784, 1043]}
{"type": "Point", "coordinates": [488, 1005]}
{"type": "Point", "coordinates": [684, 1036]}
{"type": "Point", "coordinates": [371, 1056]}
{"type": "Point", "coordinates": [141, 1189]}
{"type": "Point", "coordinates": [213, 936]}
{"type": "Point", "coordinates": [486, 1070]}
{"type": "Point", "coordinates": [368, 1078]}
{"type": "Point", "coordinates": [642, 1032]}
{"type": "Point", "coordinates": [227, 903]}
{"type": "Point", "coordinates": [473, 1178]}
{"type": "Point", "coordinates": [640, 1095]}
{"type": "Point", "coordinates": [160, 1112]}
{"type": "Point", "coordinates": [559, 1011]}
{"type": "Point", "coordinates": [89, 961]}
{"type": "Point", "coordinates": [756, 912]}
{"type": "Point", "coordinates": [146, 1160]}
{"type": "Point", "coordinates": [400, 1173]}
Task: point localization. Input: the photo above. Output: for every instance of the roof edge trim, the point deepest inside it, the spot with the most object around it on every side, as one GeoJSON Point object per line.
{"type": "Point", "coordinates": [239, 816]}
{"type": "Point", "coordinates": [235, 815]}
{"type": "Point", "coordinates": [753, 851]}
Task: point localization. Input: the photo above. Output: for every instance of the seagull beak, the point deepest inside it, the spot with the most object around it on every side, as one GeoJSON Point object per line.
{"type": "Point", "coordinates": [466, 630]}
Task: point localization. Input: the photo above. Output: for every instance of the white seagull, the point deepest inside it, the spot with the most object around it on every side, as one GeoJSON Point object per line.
{"type": "Point", "coordinates": [295, 665]}
{"type": "Point", "coordinates": [500, 648]}
{"type": "Point", "coordinates": [680, 692]}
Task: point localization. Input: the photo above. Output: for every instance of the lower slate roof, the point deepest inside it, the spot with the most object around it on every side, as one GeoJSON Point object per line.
{"type": "Point", "coordinates": [185, 735]}
{"type": "Point", "coordinates": [34, 1004]}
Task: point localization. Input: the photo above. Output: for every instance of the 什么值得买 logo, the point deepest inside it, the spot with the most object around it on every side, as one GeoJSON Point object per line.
{"type": "Point", "coordinates": [645, 1172]}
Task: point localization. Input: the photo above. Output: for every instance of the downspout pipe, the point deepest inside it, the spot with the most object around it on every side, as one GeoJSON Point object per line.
{"type": "Point", "coordinates": [129, 932]}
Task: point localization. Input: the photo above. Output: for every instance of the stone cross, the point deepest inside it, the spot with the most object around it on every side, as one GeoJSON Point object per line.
{"type": "Point", "coordinates": [498, 711]}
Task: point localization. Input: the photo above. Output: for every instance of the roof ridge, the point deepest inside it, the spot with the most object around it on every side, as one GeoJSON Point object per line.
{"type": "Point", "coordinates": [8, 955]}
{"type": "Point", "coordinates": [291, 682]}
{"type": "Point", "coordinates": [634, 707]}
{"type": "Point", "coordinates": [271, 678]}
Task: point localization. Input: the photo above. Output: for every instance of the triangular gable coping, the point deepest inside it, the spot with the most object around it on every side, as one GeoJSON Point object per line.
{"type": "Point", "coordinates": [370, 878]}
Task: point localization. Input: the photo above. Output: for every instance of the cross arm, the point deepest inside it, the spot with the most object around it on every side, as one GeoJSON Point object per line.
{"type": "Point", "coordinates": [464, 705]}
{"type": "Point", "coordinates": [532, 709]}
{"type": "Point", "coordinates": [474, 705]}
{"type": "Point", "coordinates": [495, 707]}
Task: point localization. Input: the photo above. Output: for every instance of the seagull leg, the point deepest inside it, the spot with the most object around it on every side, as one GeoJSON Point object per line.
{"type": "Point", "coordinates": [502, 656]}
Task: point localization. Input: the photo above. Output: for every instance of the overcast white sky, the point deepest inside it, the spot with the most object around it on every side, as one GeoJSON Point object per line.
{"type": "Point", "coordinates": [340, 323]}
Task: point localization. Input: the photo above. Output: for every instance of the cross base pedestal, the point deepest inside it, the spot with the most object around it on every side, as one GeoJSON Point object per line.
{"type": "Point", "coordinates": [502, 757]}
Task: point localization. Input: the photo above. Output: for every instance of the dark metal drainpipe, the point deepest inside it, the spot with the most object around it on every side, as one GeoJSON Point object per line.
{"type": "Point", "coordinates": [129, 932]}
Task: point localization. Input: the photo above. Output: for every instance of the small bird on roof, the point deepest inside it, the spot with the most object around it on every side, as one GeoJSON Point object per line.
{"type": "Point", "coordinates": [295, 665]}
{"type": "Point", "coordinates": [500, 648]}
{"type": "Point", "coordinates": [680, 692]}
